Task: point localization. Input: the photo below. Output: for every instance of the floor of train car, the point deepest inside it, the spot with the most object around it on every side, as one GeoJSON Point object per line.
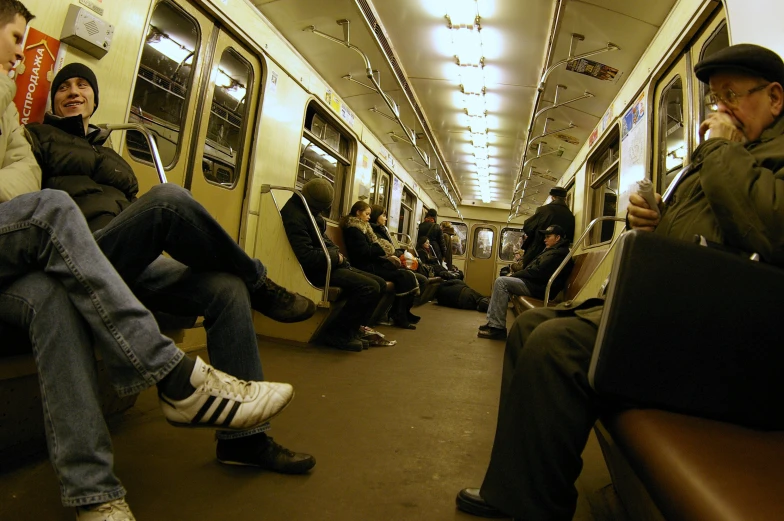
{"type": "Point", "coordinates": [396, 432]}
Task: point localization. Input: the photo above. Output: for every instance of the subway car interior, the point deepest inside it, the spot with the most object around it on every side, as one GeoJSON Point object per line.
{"type": "Point", "coordinates": [471, 112]}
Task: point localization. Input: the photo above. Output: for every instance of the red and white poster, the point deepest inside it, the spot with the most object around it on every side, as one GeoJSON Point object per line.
{"type": "Point", "coordinates": [34, 76]}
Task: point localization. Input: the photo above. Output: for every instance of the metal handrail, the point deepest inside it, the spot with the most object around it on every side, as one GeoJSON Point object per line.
{"type": "Point", "coordinates": [578, 244]}
{"type": "Point", "coordinates": [265, 189]}
{"type": "Point", "coordinates": [156, 158]}
{"type": "Point", "coordinates": [400, 235]}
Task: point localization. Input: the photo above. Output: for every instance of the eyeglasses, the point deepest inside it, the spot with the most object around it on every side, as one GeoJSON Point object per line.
{"type": "Point", "coordinates": [729, 97]}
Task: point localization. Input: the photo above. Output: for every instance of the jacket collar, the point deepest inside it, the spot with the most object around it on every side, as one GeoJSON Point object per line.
{"type": "Point", "coordinates": [773, 131]}
{"type": "Point", "coordinates": [73, 125]}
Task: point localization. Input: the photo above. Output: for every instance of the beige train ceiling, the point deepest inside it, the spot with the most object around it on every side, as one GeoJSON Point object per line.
{"type": "Point", "coordinates": [514, 39]}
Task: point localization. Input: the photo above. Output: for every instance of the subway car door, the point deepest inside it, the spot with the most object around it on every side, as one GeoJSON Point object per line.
{"type": "Point", "coordinates": [480, 267]}
{"type": "Point", "coordinates": [220, 157]}
{"type": "Point", "coordinates": [177, 42]}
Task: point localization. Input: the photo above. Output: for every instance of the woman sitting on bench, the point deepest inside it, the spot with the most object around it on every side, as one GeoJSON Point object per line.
{"type": "Point", "coordinates": [367, 253]}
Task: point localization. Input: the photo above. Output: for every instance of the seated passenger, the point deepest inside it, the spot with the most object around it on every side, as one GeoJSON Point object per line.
{"type": "Point", "coordinates": [428, 257]}
{"type": "Point", "coordinates": [57, 284]}
{"type": "Point", "coordinates": [732, 195]}
{"type": "Point", "coordinates": [531, 281]}
{"type": "Point", "coordinates": [361, 290]}
{"type": "Point", "coordinates": [378, 221]}
{"type": "Point", "coordinates": [377, 257]}
{"type": "Point", "coordinates": [208, 273]}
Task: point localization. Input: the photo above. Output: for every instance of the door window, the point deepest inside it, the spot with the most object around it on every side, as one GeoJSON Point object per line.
{"type": "Point", "coordinates": [483, 243]}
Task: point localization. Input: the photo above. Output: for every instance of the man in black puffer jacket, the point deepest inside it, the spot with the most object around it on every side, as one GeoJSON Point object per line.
{"type": "Point", "coordinates": [531, 281]}
{"type": "Point", "coordinates": [208, 275]}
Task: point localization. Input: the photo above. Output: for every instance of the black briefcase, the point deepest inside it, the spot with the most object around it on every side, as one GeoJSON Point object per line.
{"type": "Point", "coordinates": [694, 330]}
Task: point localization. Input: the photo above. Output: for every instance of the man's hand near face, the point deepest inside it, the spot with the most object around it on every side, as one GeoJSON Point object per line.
{"type": "Point", "coordinates": [721, 125]}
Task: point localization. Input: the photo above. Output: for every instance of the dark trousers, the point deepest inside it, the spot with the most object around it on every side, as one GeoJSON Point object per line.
{"type": "Point", "coordinates": [545, 415]}
{"type": "Point", "coordinates": [362, 292]}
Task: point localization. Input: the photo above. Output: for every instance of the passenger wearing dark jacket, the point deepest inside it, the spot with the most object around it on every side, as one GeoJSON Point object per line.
{"type": "Point", "coordinates": [378, 221]}
{"type": "Point", "coordinates": [370, 254]}
{"type": "Point", "coordinates": [531, 281]}
{"type": "Point", "coordinates": [430, 229]}
{"type": "Point", "coordinates": [362, 291]}
{"type": "Point", "coordinates": [208, 273]}
{"type": "Point", "coordinates": [731, 195]}
{"type": "Point", "coordinates": [557, 212]}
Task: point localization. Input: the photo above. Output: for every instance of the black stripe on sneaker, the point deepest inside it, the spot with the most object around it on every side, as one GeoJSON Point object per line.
{"type": "Point", "coordinates": [218, 411]}
{"type": "Point", "coordinates": [203, 410]}
{"type": "Point", "coordinates": [234, 409]}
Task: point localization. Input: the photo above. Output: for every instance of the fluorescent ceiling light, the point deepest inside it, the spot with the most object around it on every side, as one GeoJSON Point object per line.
{"type": "Point", "coordinates": [474, 104]}
{"type": "Point", "coordinates": [467, 45]}
{"type": "Point", "coordinates": [472, 78]}
{"type": "Point", "coordinates": [482, 164]}
{"type": "Point", "coordinates": [461, 12]}
{"type": "Point", "coordinates": [478, 125]}
{"type": "Point", "coordinates": [480, 153]}
{"type": "Point", "coordinates": [169, 48]}
{"type": "Point", "coordinates": [479, 140]}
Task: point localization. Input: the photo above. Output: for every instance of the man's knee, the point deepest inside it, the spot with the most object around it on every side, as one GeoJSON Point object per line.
{"type": "Point", "coordinates": [167, 193]}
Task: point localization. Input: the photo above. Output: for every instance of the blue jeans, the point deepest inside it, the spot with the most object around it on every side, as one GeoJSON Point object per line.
{"type": "Point", "coordinates": [499, 300]}
{"type": "Point", "coordinates": [57, 283]}
{"type": "Point", "coordinates": [210, 276]}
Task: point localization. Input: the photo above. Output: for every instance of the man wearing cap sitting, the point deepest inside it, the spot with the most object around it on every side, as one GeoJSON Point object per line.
{"type": "Point", "coordinates": [531, 281]}
{"type": "Point", "coordinates": [555, 212]}
{"type": "Point", "coordinates": [208, 273]}
{"type": "Point", "coordinates": [732, 195]}
{"type": "Point", "coordinates": [361, 290]}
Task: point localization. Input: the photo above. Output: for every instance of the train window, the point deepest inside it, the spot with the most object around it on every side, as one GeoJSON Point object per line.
{"type": "Point", "coordinates": [164, 78]}
{"type": "Point", "coordinates": [716, 42]}
{"type": "Point", "coordinates": [672, 131]}
{"type": "Point", "coordinates": [483, 242]}
{"type": "Point", "coordinates": [407, 205]}
{"type": "Point", "coordinates": [324, 152]}
{"type": "Point", "coordinates": [604, 187]}
{"type": "Point", "coordinates": [379, 187]}
{"type": "Point", "coordinates": [459, 239]}
{"type": "Point", "coordinates": [511, 241]}
{"type": "Point", "coordinates": [228, 119]}
{"type": "Point", "coordinates": [570, 195]}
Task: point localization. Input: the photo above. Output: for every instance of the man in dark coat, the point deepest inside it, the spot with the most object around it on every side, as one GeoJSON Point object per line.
{"type": "Point", "coordinates": [731, 196]}
{"type": "Point", "coordinates": [208, 273]}
{"type": "Point", "coordinates": [530, 281]}
{"type": "Point", "coordinates": [430, 229]}
{"type": "Point", "coordinates": [556, 212]}
{"type": "Point", "coordinates": [361, 290]}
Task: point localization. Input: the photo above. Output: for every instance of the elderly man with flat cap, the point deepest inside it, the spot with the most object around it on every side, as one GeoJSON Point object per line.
{"type": "Point", "coordinates": [555, 212]}
{"type": "Point", "coordinates": [731, 195]}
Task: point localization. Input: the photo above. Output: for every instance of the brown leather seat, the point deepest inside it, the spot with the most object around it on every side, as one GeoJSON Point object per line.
{"type": "Point", "coordinates": [584, 266]}
{"type": "Point", "coordinates": [694, 468]}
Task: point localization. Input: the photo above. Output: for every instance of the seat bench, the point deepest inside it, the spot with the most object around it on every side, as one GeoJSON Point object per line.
{"type": "Point", "coordinates": [672, 466]}
{"type": "Point", "coordinates": [583, 268]}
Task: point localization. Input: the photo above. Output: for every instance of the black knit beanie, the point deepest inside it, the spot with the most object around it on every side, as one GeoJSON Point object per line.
{"type": "Point", "coordinates": [318, 193]}
{"type": "Point", "coordinates": [75, 70]}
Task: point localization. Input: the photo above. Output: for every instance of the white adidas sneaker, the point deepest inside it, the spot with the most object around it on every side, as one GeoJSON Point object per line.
{"type": "Point", "coordinates": [222, 401]}
{"type": "Point", "coordinates": [117, 510]}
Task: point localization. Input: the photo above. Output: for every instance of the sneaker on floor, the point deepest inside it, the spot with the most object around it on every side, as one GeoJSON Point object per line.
{"type": "Point", "coordinates": [493, 333]}
{"type": "Point", "coordinates": [265, 454]}
{"type": "Point", "coordinates": [280, 304]}
{"type": "Point", "coordinates": [117, 510]}
{"type": "Point", "coordinates": [222, 401]}
{"type": "Point", "coordinates": [484, 327]}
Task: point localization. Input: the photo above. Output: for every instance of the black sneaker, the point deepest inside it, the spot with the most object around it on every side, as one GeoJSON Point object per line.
{"type": "Point", "coordinates": [493, 333]}
{"type": "Point", "coordinates": [484, 327]}
{"type": "Point", "coordinates": [265, 454]}
{"type": "Point", "coordinates": [280, 304]}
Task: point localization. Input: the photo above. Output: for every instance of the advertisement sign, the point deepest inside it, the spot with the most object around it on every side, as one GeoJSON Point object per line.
{"type": "Point", "coordinates": [593, 69]}
{"type": "Point", "coordinates": [634, 129]}
{"type": "Point", "coordinates": [34, 76]}
{"type": "Point", "coordinates": [394, 205]}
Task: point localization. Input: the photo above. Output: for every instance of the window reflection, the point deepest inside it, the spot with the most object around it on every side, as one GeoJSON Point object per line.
{"type": "Point", "coordinates": [459, 240]}
{"type": "Point", "coordinates": [483, 243]}
{"type": "Point", "coordinates": [228, 116]}
{"type": "Point", "coordinates": [511, 242]}
{"type": "Point", "coordinates": [163, 80]}
{"type": "Point", "coordinates": [672, 132]}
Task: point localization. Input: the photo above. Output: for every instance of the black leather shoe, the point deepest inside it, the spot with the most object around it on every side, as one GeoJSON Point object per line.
{"type": "Point", "coordinates": [468, 500]}
{"type": "Point", "coordinates": [493, 333]}
{"type": "Point", "coordinates": [263, 452]}
{"type": "Point", "coordinates": [279, 304]}
{"type": "Point", "coordinates": [484, 327]}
